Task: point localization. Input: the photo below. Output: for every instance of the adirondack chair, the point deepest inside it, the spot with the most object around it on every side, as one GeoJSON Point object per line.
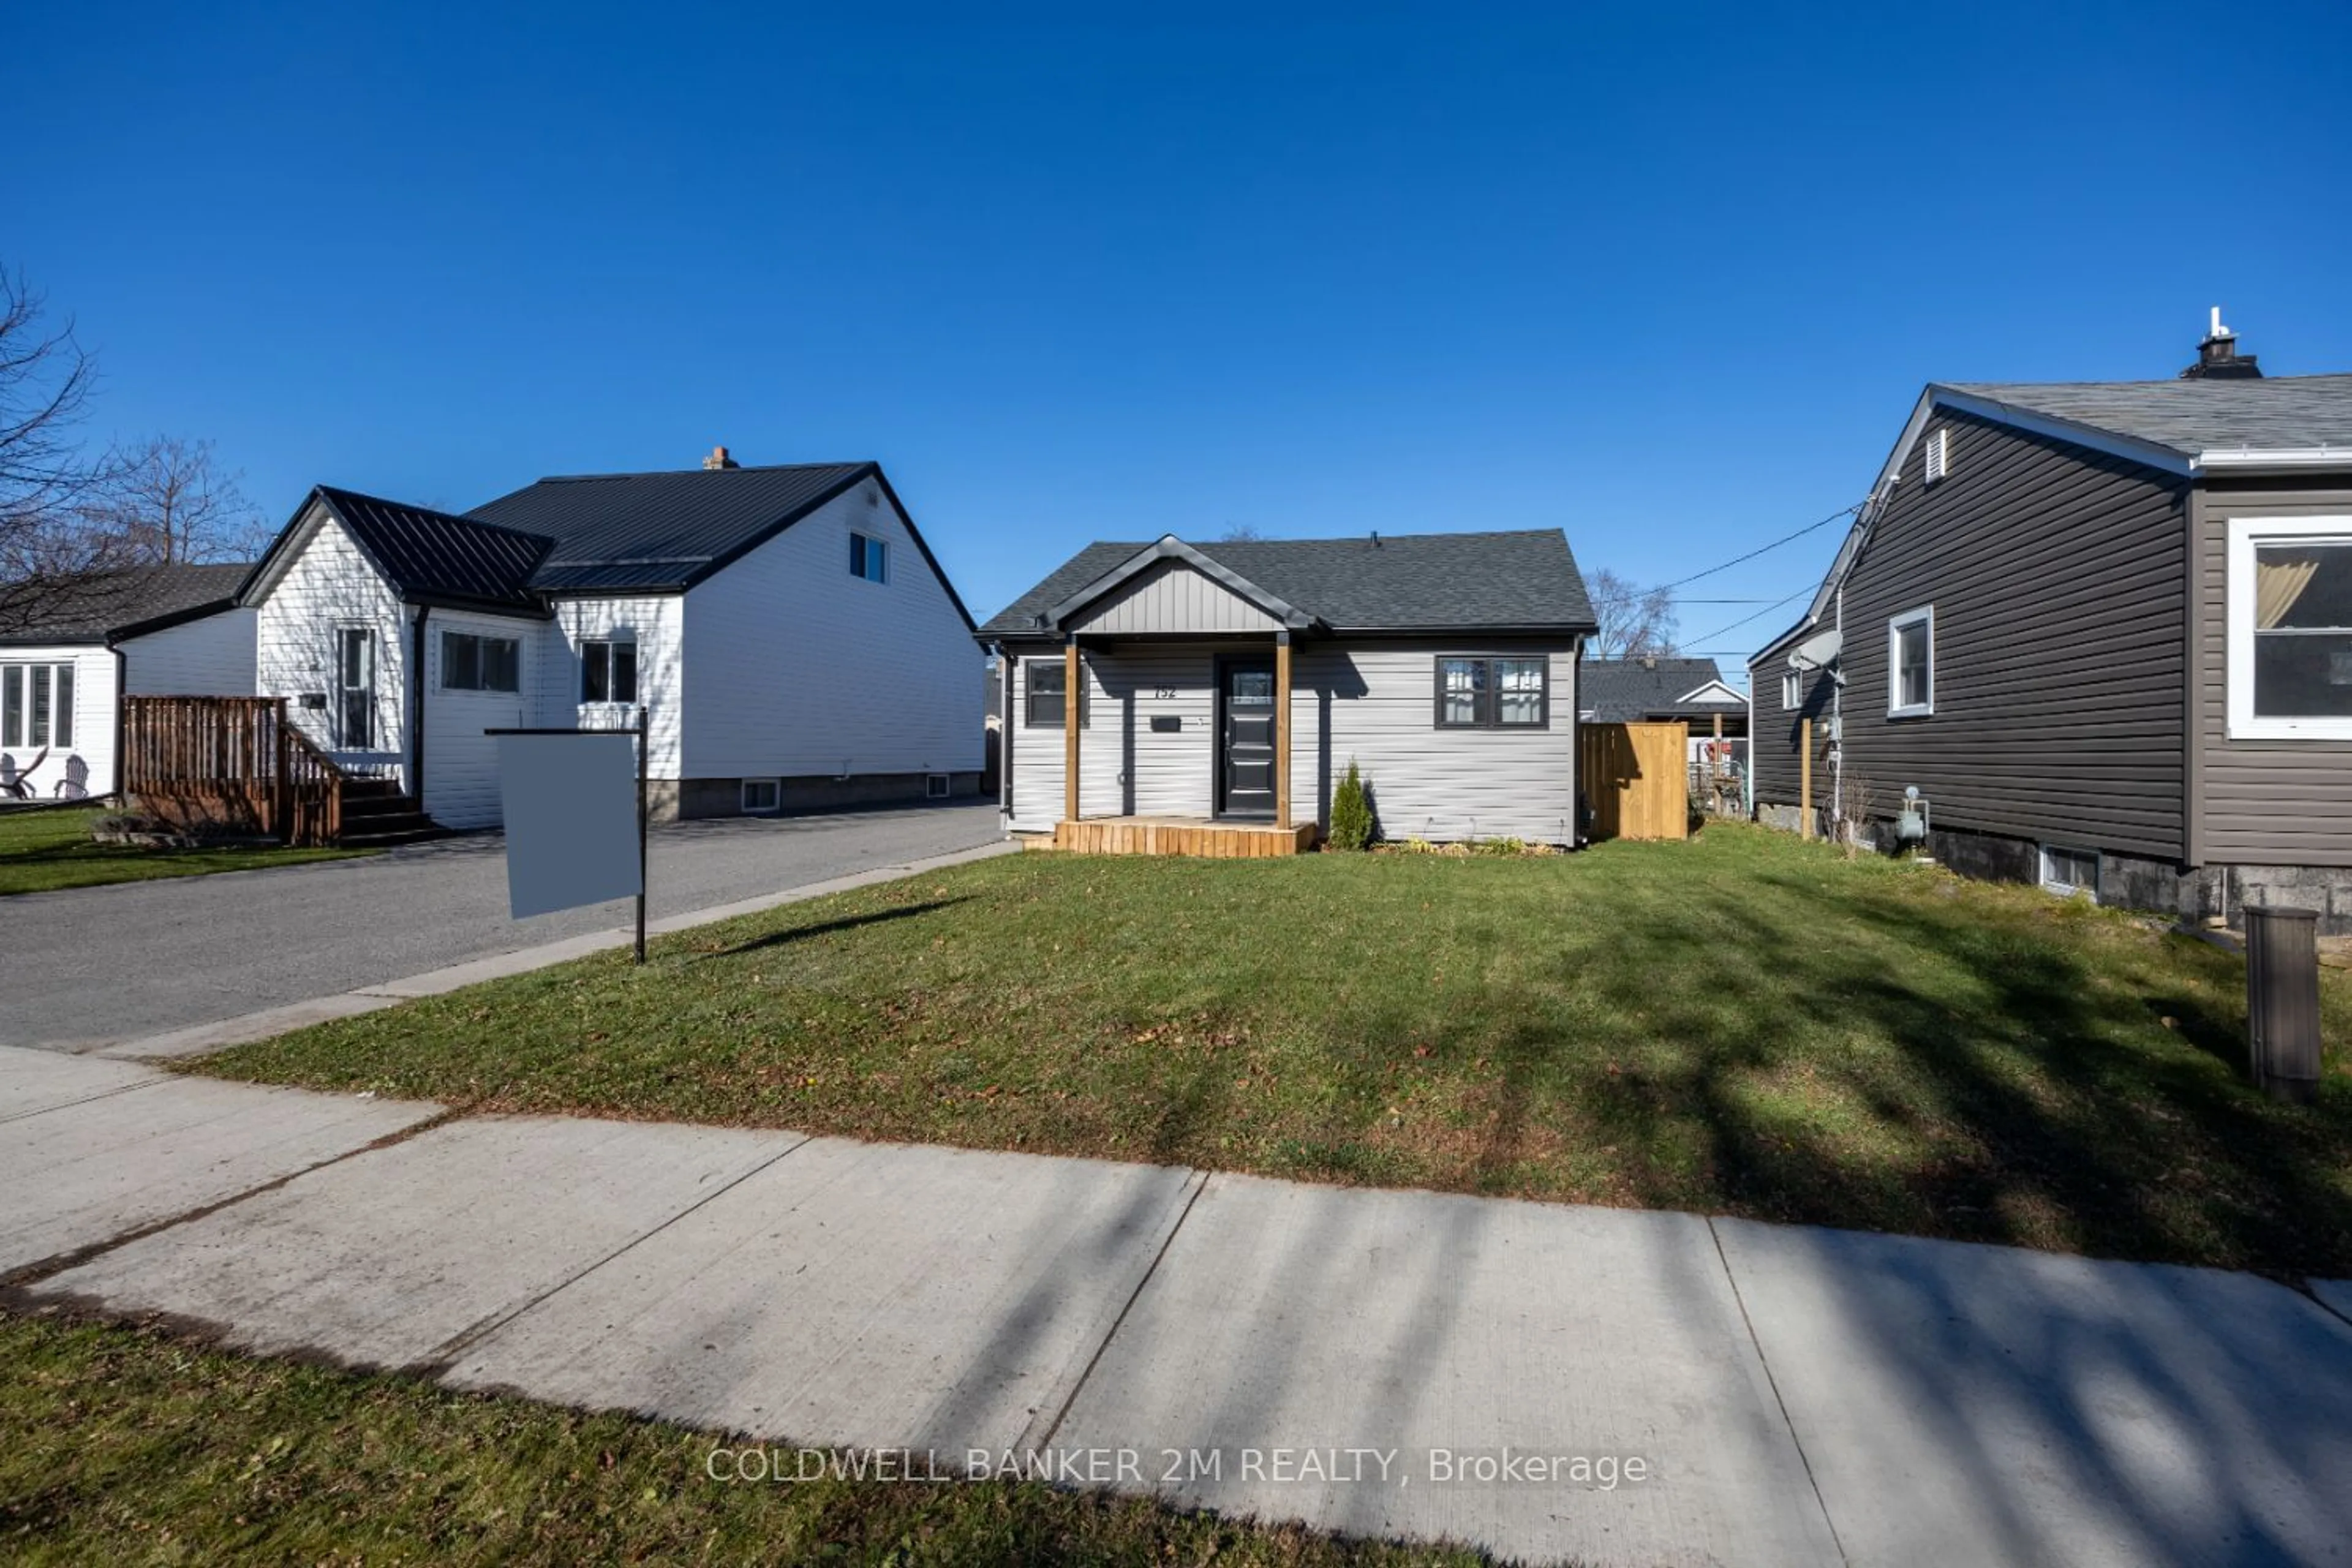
{"type": "Point", "coordinates": [15, 782]}
{"type": "Point", "coordinates": [75, 786]}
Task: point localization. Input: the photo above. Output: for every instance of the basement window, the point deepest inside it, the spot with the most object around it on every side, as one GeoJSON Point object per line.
{"type": "Point", "coordinates": [2066, 872]}
{"type": "Point", "coordinates": [935, 786]}
{"type": "Point", "coordinates": [762, 794]}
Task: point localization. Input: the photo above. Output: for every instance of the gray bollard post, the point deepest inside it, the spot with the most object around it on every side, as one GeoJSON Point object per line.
{"type": "Point", "coordinates": [2282, 999]}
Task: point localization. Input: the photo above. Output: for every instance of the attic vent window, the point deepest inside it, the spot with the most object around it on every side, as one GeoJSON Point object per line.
{"type": "Point", "coordinates": [1939, 456]}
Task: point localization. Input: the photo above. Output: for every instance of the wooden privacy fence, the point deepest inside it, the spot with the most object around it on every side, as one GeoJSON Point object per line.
{"type": "Point", "coordinates": [1636, 779]}
{"type": "Point", "coordinates": [229, 764]}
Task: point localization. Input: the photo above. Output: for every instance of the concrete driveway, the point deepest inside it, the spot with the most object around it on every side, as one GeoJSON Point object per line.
{"type": "Point", "coordinates": [95, 965]}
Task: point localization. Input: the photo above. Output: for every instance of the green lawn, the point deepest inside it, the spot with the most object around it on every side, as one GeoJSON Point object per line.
{"type": "Point", "coordinates": [122, 1445]}
{"type": "Point", "coordinates": [41, 851]}
{"type": "Point", "coordinates": [1742, 1024]}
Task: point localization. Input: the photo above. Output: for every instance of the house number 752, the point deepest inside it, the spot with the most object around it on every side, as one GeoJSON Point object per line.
{"type": "Point", "coordinates": [1164, 693]}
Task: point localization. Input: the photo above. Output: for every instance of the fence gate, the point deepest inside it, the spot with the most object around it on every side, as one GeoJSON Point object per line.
{"type": "Point", "coordinates": [1637, 778]}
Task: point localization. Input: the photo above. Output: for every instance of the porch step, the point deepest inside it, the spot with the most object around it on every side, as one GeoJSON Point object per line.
{"type": "Point", "coordinates": [380, 817]}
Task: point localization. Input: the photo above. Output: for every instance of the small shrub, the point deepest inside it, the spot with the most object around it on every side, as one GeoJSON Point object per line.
{"type": "Point", "coordinates": [1351, 812]}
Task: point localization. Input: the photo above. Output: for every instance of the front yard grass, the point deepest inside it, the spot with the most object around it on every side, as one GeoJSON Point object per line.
{"type": "Point", "coordinates": [1743, 1023]}
{"type": "Point", "coordinates": [41, 851]}
{"type": "Point", "coordinates": [124, 1445]}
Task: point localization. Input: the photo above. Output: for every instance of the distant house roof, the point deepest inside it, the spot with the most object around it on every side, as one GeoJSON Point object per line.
{"type": "Point", "coordinates": [595, 534]}
{"type": "Point", "coordinates": [1628, 690]}
{"type": "Point", "coordinates": [93, 607]}
{"type": "Point", "coordinates": [1421, 582]}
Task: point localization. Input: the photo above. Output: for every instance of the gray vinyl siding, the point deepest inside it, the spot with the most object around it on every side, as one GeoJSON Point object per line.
{"type": "Point", "coordinates": [1172, 597]}
{"type": "Point", "coordinates": [2261, 802]}
{"type": "Point", "coordinates": [1371, 701]}
{"type": "Point", "coordinates": [1773, 751]}
{"type": "Point", "coordinates": [2057, 575]}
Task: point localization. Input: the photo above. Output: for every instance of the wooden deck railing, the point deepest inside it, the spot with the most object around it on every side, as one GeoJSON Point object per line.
{"type": "Point", "coordinates": [233, 765]}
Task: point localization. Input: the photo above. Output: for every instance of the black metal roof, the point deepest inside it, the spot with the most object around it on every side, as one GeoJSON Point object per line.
{"type": "Point", "coordinates": [1628, 690]}
{"type": "Point", "coordinates": [436, 558]}
{"type": "Point", "coordinates": [1415, 582]}
{"type": "Point", "coordinates": [661, 531]}
{"type": "Point", "coordinates": [94, 606]}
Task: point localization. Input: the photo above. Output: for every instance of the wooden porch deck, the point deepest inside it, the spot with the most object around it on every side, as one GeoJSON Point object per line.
{"type": "Point", "coordinates": [1179, 835]}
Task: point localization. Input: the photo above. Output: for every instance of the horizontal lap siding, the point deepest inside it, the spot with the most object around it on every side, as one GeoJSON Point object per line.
{"type": "Point", "coordinates": [461, 763]}
{"type": "Point", "coordinates": [656, 623]}
{"type": "Point", "coordinates": [2057, 579]}
{"type": "Point", "coordinates": [329, 585]}
{"type": "Point", "coordinates": [1164, 772]}
{"type": "Point", "coordinates": [2264, 803]}
{"type": "Point", "coordinates": [210, 656]}
{"type": "Point", "coordinates": [795, 669]}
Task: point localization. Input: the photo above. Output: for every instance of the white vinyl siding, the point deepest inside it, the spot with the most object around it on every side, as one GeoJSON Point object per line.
{"type": "Point", "coordinates": [461, 763]}
{"type": "Point", "coordinates": [87, 757]}
{"type": "Point", "coordinates": [210, 656]}
{"type": "Point", "coordinates": [327, 586]}
{"type": "Point", "coordinates": [792, 672]}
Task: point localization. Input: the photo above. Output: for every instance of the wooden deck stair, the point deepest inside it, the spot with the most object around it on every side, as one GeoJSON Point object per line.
{"type": "Point", "coordinates": [377, 816]}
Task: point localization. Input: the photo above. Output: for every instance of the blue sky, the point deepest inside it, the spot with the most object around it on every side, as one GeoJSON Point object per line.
{"type": "Point", "coordinates": [1667, 277]}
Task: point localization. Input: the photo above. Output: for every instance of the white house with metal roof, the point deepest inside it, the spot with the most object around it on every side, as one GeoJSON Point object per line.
{"type": "Point", "coordinates": [790, 636]}
{"type": "Point", "coordinates": [1208, 698]}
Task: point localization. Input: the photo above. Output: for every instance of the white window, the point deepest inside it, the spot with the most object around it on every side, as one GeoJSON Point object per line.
{"type": "Point", "coordinates": [1793, 692]}
{"type": "Point", "coordinates": [1938, 460]}
{"type": "Point", "coordinates": [869, 558]}
{"type": "Point", "coordinates": [935, 786]}
{"type": "Point", "coordinates": [608, 671]}
{"type": "Point", "coordinates": [2289, 628]}
{"type": "Point", "coordinates": [1911, 664]}
{"type": "Point", "coordinates": [36, 705]}
{"type": "Point", "coordinates": [762, 794]}
{"type": "Point", "coordinates": [2070, 871]}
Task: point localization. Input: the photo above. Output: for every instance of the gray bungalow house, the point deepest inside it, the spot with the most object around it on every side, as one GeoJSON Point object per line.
{"type": "Point", "coordinates": [2105, 628]}
{"type": "Point", "coordinates": [1223, 689]}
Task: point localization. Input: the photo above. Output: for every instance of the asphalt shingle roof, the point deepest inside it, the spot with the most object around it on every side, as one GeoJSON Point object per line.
{"type": "Point", "coordinates": [1628, 690]}
{"type": "Point", "coordinates": [2195, 415]}
{"type": "Point", "coordinates": [87, 609]}
{"type": "Point", "coordinates": [660, 531]}
{"type": "Point", "coordinates": [1416, 582]}
{"type": "Point", "coordinates": [433, 555]}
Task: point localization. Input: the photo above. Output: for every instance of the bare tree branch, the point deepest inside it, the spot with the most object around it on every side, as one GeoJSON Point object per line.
{"type": "Point", "coordinates": [1635, 622]}
{"type": "Point", "coordinates": [167, 501]}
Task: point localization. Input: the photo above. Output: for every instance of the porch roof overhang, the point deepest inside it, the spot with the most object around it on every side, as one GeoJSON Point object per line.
{"type": "Point", "coordinates": [1056, 621]}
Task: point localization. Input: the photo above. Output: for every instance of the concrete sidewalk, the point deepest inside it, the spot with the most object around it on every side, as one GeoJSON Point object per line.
{"type": "Point", "coordinates": [1546, 1380]}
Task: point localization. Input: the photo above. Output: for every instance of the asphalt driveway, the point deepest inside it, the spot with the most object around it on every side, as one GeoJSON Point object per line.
{"type": "Point", "coordinates": [94, 966]}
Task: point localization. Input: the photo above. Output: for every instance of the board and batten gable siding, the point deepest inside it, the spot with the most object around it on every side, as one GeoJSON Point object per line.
{"type": "Point", "coordinates": [94, 678]}
{"type": "Point", "coordinates": [2057, 577]}
{"type": "Point", "coordinates": [210, 656]}
{"type": "Point", "coordinates": [1370, 701]}
{"type": "Point", "coordinates": [796, 670]}
{"type": "Point", "coordinates": [1172, 597]}
{"type": "Point", "coordinates": [657, 623]}
{"type": "Point", "coordinates": [2260, 802]}
{"type": "Point", "coordinates": [329, 585]}
{"type": "Point", "coordinates": [461, 763]}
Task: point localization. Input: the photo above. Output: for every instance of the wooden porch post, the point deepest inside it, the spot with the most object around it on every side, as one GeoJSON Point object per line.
{"type": "Point", "coordinates": [1282, 728]}
{"type": "Point", "coordinates": [1073, 695]}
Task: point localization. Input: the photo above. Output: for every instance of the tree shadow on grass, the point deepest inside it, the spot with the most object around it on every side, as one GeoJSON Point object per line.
{"type": "Point", "coordinates": [827, 928]}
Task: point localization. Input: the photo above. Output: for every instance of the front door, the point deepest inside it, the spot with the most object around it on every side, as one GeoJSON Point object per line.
{"type": "Point", "coordinates": [356, 688]}
{"type": "Point", "coordinates": [1246, 741]}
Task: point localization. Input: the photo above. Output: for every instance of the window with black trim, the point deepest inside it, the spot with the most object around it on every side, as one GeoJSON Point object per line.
{"type": "Point", "coordinates": [1493, 693]}
{"type": "Point", "coordinates": [608, 671]}
{"type": "Point", "coordinates": [869, 558]}
{"type": "Point", "coordinates": [1045, 694]}
{"type": "Point", "coordinates": [474, 663]}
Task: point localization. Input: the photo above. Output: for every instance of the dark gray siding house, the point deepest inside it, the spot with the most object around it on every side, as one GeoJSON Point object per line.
{"type": "Point", "coordinates": [1233, 682]}
{"type": "Point", "coordinates": [2037, 622]}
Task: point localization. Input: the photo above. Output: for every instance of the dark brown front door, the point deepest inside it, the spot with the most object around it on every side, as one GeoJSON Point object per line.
{"type": "Point", "coordinates": [1245, 740]}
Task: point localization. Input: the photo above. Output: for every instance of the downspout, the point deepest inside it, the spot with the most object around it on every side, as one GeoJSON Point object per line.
{"type": "Point", "coordinates": [1837, 722]}
{"type": "Point", "coordinates": [416, 712]}
{"type": "Point", "coordinates": [1004, 738]}
{"type": "Point", "coordinates": [121, 729]}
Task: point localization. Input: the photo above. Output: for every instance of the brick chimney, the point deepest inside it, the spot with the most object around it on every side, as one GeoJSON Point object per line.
{"type": "Point", "coordinates": [2218, 358]}
{"type": "Point", "coordinates": [719, 460]}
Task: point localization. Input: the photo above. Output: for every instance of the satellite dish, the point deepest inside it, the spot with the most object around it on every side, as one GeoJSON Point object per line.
{"type": "Point", "coordinates": [1816, 651]}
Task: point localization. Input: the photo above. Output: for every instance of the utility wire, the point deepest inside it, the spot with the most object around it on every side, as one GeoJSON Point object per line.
{"type": "Point", "coordinates": [1784, 539]}
{"type": "Point", "coordinates": [1759, 614]}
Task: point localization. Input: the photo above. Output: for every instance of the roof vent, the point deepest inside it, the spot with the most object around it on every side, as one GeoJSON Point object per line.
{"type": "Point", "coordinates": [1938, 464]}
{"type": "Point", "coordinates": [719, 460]}
{"type": "Point", "coordinates": [2218, 358]}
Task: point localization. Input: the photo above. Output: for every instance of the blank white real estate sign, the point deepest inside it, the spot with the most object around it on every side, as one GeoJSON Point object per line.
{"type": "Point", "coordinates": [571, 803]}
